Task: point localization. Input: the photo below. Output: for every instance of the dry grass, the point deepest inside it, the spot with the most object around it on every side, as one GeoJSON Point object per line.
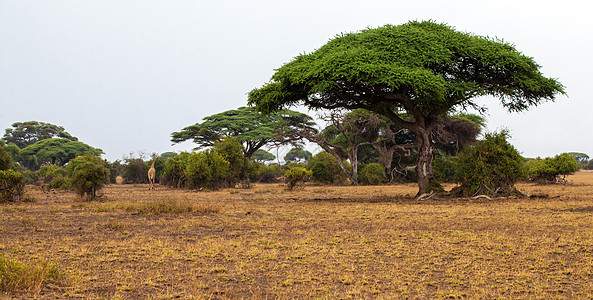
{"type": "Point", "coordinates": [320, 242]}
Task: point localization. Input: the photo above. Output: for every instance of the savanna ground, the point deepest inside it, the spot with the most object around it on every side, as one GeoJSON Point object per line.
{"type": "Point", "coordinates": [320, 242]}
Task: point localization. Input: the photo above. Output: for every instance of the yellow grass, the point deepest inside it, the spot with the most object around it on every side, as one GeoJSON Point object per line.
{"type": "Point", "coordinates": [321, 242]}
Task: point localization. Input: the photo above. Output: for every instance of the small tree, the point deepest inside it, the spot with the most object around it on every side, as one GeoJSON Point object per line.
{"type": "Point", "coordinates": [296, 177]}
{"type": "Point", "coordinates": [549, 169]}
{"type": "Point", "coordinates": [491, 167]}
{"type": "Point", "coordinates": [326, 168]}
{"type": "Point", "coordinates": [12, 186]}
{"type": "Point", "coordinates": [88, 175]}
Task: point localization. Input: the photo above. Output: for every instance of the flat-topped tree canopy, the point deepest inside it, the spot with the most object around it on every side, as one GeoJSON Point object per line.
{"type": "Point", "coordinates": [424, 69]}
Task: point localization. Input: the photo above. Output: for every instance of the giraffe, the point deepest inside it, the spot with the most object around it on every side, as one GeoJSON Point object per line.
{"type": "Point", "coordinates": [151, 173]}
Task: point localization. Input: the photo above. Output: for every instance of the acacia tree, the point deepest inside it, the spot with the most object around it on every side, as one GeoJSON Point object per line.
{"type": "Point", "coordinates": [28, 133]}
{"type": "Point", "coordinates": [54, 151]}
{"type": "Point", "coordinates": [423, 69]}
{"type": "Point", "coordinates": [253, 129]}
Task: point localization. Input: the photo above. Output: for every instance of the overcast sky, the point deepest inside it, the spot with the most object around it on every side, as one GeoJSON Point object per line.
{"type": "Point", "coordinates": [123, 75]}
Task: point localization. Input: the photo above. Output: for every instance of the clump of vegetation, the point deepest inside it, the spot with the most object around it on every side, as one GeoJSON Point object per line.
{"type": "Point", "coordinates": [5, 159]}
{"type": "Point", "coordinates": [54, 176]}
{"type": "Point", "coordinates": [88, 175]}
{"type": "Point", "coordinates": [12, 186]}
{"type": "Point", "coordinates": [372, 174]}
{"type": "Point", "coordinates": [15, 276]}
{"type": "Point", "coordinates": [549, 169]}
{"type": "Point", "coordinates": [325, 169]}
{"type": "Point", "coordinates": [297, 176]}
{"type": "Point", "coordinates": [268, 173]}
{"type": "Point", "coordinates": [135, 171]}
{"type": "Point", "coordinates": [490, 167]}
{"type": "Point", "coordinates": [224, 165]}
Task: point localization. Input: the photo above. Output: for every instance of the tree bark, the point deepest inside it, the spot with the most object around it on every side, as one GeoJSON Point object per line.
{"type": "Point", "coordinates": [424, 162]}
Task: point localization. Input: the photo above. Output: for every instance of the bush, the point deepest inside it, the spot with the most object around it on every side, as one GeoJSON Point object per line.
{"type": "Point", "coordinates": [491, 166]}
{"type": "Point", "coordinates": [135, 171]}
{"type": "Point", "coordinates": [55, 177]}
{"type": "Point", "coordinates": [12, 186]}
{"type": "Point", "coordinates": [297, 176]}
{"type": "Point", "coordinates": [372, 174]}
{"type": "Point", "coordinates": [88, 175]}
{"type": "Point", "coordinates": [548, 169]}
{"type": "Point", "coordinates": [5, 159]}
{"type": "Point", "coordinates": [443, 169]}
{"type": "Point", "coordinates": [174, 171]}
{"type": "Point", "coordinates": [207, 169]}
{"type": "Point", "coordinates": [326, 169]}
{"type": "Point", "coordinates": [268, 173]}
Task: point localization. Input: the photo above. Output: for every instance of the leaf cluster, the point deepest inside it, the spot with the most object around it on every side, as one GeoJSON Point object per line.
{"type": "Point", "coordinates": [491, 166]}
{"type": "Point", "coordinates": [23, 134]}
{"type": "Point", "coordinates": [548, 169]}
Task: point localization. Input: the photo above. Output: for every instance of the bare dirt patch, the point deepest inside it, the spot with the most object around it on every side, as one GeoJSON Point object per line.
{"type": "Point", "coordinates": [323, 241]}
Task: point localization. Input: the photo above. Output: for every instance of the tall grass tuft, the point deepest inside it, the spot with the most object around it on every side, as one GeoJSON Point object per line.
{"type": "Point", "coordinates": [162, 207]}
{"type": "Point", "coordinates": [15, 276]}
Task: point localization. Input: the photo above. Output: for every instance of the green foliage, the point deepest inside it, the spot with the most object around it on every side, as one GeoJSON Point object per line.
{"type": "Point", "coordinates": [232, 151]}
{"type": "Point", "coordinates": [491, 166]}
{"type": "Point", "coordinates": [298, 155]}
{"type": "Point", "coordinates": [24, 134]}
{"type": "Point", "coordinates": [5, 159]}
{"type": "Point", "coordinates": [582, 158]}
{"type": "Point", "coordinates": [115, 169]}
{"type": "Point", "coordinates": [297, 176]}
{"type": "Point", "coordinates": [372, 174]}
{"type": "Point", "coordinates": [548, 169]}
{"type": "Point", "coordinates": [174, 172]}
{"type": "Point", "coordinates": [251, 128]}
{"type": "Point", "coordinates": [326, 169]}
{"type": "Point", "coordinates": [207, 169]}
{"type": "Point", "coordinates": [268, 173]}
{"type": "Point", "coordinates": [88, 174]}
{"type": "Point", "coordinates": [54, 176]}
{"type": "Point", "coordinates": [443, 169]}
{"type": "Point", "coordinates": [15, 276]}
{"type": "Point", "coordinates": [135, 171]}
{"type": "Point", "coordinates": [262, 155]}
{"type": "Point", "coordinates": [12, 186]}
{"type": "Point", "coordinates": [54, 151]}
{"type": "Point", "coordinates": [413, 74]}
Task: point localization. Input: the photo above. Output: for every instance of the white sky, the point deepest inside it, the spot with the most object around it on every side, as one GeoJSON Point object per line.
{"type": "Point", "coordinates": [123, 75]}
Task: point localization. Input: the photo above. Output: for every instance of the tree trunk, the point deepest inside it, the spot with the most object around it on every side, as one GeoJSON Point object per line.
{"type": "Point", "coordinates": [354, 161]}
{"type": "Point", "coordinates": [424, 162]}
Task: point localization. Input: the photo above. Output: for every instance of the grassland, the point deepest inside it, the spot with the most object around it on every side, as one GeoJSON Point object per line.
{"type": "Point", "coordinates": [320, 242]}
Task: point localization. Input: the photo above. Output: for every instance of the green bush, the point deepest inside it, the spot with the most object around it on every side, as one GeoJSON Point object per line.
{"type": "Point", "coordinates": [326, 169]}
{"type": "Point", "coordinates": [5, 159]}
{"type": "Point", "coordinates": [372, 174]}
{"type": "Point", "coordinates": [174, 171]}
{"type": "Point", "coordinates": [548, 169]}
{"type": "Point", "coordinates": [268, 173]}
{"type": "Point", "coordinates": [297, 176]}
{"type": "Point", "coordinates": [12, 186]}
{"type": "Point", "coordinates": [492, 167]}
{"type": "Point", "coordinates": [207, 169]}
{"type": "Point", "coordinates": [88, 175]}
{"type": "Point", "coordinates": [135, 171]}
{"type": "Point", "coordinates": [54, 176]}
{"type": "Point", "coordinates": [443, 169]}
